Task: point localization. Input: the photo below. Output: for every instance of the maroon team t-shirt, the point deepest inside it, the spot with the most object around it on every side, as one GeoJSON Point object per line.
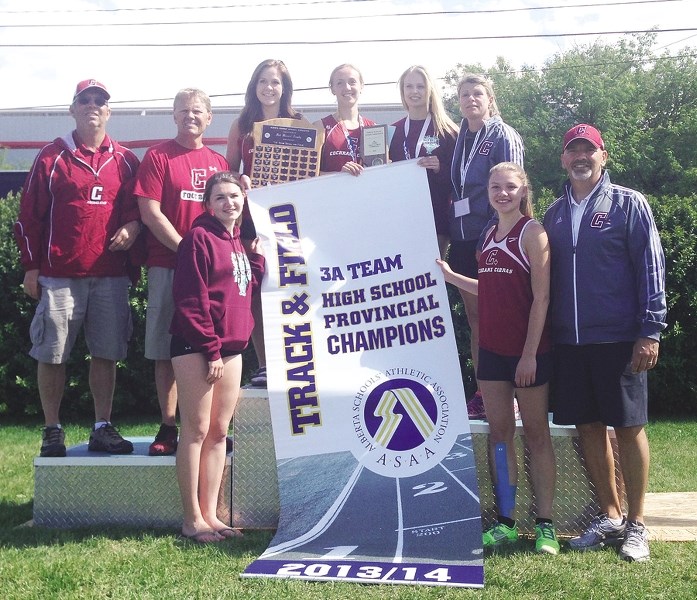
{"type": "Point", "coordinates": [176, 177]}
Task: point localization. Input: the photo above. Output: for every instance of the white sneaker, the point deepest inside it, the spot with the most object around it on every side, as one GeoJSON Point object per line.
{"type": "Point", "coordinates": [600, 533]}
{"type": "Point", "coordinates": [636, 543]}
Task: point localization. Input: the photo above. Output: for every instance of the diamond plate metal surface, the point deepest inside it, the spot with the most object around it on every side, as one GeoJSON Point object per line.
{"type": "Point", "coordinates": [85, 489]}
{"type": "Point", "coordinates": [255, 480]}
{"type": "Point", "coordinates": [575, 503]}
{"type": "Point", "coordinates": [255, 502]}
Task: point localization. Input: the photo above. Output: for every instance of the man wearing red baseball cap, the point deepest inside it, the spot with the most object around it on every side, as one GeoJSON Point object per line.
{"type": "Point", "coordinates": [584, 132]}
{"type": "Point", "coordinates": [608, 309]}
{"type": "Point", "coordinates": [90, 84]}
{"type": "Point", "coordinates": [77, 219]}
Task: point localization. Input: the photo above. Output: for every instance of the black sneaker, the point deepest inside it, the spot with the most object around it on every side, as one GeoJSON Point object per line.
{"type": "Point", "coordinates": [53, 442]}
{"type": "Point", "coordinates": [107, 439]}
{"type": "Point", "coordinates": [258, 378]}
{"type": "Point", "coordinates": [165, 442]}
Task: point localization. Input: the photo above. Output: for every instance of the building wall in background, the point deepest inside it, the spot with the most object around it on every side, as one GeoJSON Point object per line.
{"type": "Point", "coordinates": [127, 125]}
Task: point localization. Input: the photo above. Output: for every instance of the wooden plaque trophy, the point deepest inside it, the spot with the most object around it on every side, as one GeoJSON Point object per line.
{"type": "Point", "coordinates": [374, 148]}
{"type": "Point", "coordinates": [285, 150]}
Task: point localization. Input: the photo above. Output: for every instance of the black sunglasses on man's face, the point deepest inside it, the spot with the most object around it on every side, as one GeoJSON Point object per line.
{"type": "Point", "coordinates": [97, 100]}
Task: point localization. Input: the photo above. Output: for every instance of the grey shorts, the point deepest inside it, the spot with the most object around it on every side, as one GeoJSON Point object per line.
{"type": "Point", "coordinates": [67, 304]}
{"type": "Point", "coordinates": [595, 383]}
{"type": "Point", "coordinates": [158, 316]}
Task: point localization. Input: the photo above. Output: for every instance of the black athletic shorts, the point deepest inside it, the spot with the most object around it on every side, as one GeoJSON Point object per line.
{"type": "Point", "coordinates": [462, 257]}
{"type": "Point", "coordinates": [180, 347]}
{"type": "Point", "coordinates": [496, 367]}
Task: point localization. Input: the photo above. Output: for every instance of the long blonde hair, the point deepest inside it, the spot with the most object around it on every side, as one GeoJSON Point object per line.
{"type": "Point", "coordinates": [442, 123]}
{"type": "Point", "coordinates": [526, 201]}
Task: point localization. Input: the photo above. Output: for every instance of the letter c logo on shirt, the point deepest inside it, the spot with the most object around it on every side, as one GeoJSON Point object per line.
{"type": "Point", "coordinates": [96, 195]}
{"type": "Point", "coordinates": [485, 148]}
{"type": "Point", "coordinates": [198, 178]}
{"type": "Point", "coordinates": [598, 220]}
{"type": "Point", "coordinates": [491, 259]}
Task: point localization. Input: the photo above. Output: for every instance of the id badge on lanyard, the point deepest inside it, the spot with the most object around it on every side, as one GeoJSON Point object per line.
{"type": "Point", "coordinates": [462, 206]}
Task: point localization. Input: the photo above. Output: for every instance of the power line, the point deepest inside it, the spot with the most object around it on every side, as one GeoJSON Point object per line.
{"type": "Point", "coordinates": [169, 8]}
{"type": "Point", "coordinates": [189, 23]}
{"type": "Point", "coordinates": [350, 41]}
{"type": "Point", "coordinates": [381, 83]}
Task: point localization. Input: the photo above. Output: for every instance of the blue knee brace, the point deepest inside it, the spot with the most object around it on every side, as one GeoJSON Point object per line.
{"type": "Point", "coordinates": [503, 490]}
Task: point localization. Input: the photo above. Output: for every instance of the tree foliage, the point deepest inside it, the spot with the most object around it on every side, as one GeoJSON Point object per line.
{"type": "Point", "coordinates": [645, 105]}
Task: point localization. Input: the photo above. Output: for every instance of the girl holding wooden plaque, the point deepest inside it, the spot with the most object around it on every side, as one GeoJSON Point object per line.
{"type": "Point", "coordinates": [341, 150]}
{"type": "Point", "coordinates": [428, 134]}
{"type": "Point", "coordinates": [268, 96]}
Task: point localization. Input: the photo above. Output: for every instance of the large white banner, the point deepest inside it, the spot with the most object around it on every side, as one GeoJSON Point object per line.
{"type": "Point", "coordinates": [377, 478]}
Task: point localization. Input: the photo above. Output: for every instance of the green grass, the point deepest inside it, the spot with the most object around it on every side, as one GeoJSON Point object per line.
{"type": "Point", "coordinates": [128, 564]}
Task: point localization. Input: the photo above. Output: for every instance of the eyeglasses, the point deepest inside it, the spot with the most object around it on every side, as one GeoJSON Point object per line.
{"type": "Point", "coordinates": [97, 100]}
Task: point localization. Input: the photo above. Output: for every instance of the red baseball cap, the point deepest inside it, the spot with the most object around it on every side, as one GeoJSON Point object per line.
{"type": "Point", "coordinates": [89, 84]}
{"type": "Point", "coordinates": [584, 132]}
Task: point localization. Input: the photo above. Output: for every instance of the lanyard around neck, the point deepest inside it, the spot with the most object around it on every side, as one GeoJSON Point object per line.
{"type": "Point", "coordinates": [464, 166]}
{"type": "Point", "coordinates": [350, 146]}
{"type": "Point", "coordinates": [420, 141]}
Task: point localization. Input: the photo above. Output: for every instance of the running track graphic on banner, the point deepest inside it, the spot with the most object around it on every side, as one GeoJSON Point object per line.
{"type": "Point", "coordinates": [377, 478]}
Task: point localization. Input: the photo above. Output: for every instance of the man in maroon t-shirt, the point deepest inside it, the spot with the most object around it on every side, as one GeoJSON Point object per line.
{"type": "Point", "coordinates": [170, 187]}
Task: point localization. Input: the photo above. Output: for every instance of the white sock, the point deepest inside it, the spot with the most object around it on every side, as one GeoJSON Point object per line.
{"type": "Point", "coordinates": [99, 424]}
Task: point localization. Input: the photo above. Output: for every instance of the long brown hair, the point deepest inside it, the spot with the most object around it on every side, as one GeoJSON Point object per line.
{"type": "Point", "coordinates": [223, 177]}
{"type": "Point", "coordinates": [252, 110]}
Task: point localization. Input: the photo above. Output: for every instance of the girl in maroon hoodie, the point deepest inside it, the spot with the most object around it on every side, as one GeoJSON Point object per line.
{"type": "Point", "coordinates": [214, 280]}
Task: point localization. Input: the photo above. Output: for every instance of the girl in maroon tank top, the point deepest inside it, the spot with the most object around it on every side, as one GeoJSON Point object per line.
{"type": "Point", "coordinates": [342, 129]}
{"type": "Point", "coordinates": [514, 351]}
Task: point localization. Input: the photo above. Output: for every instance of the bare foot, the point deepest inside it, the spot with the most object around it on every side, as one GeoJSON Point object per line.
{"type": "Point", "coordinates": [229, 532]}
{"type": "Point", "coordinates": [223, 529]}
{"type": "Point", "coordinates": [206, 536]}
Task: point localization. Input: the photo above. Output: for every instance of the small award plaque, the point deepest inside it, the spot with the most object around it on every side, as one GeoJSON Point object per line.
{"type": "Point", "coordinates": [374, 145]}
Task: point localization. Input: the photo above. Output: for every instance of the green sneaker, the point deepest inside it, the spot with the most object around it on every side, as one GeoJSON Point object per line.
{"type": "Point", "coordinates": [546, 538]}
{"type": "Point", "coordinates": [499, 535]}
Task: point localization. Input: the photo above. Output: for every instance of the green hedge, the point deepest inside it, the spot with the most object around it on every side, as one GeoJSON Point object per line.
{"type": "Point", "coordinates": [673, 384]}
{"type": "Point", "coordinates": [135, 387]}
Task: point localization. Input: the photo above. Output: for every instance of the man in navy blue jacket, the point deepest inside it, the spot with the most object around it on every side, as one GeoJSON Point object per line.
{"type": "Point", "coordinates": [608, 309]}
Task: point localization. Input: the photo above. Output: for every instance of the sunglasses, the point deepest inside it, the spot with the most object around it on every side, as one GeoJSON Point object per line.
{"type": "Point", "coordinates": [97, 100]}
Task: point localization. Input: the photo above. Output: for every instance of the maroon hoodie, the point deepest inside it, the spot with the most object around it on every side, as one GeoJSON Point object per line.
{"type": "Point", "coordinates": [213, 286]}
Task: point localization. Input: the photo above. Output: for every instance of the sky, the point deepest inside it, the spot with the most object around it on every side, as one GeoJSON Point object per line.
{"type": "Point", "coordinates": [216, 44]}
